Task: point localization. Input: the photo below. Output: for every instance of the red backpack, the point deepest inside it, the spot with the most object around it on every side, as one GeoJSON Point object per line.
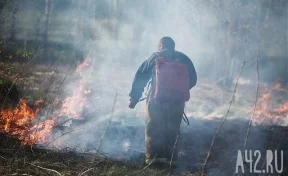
{"type": "Point", "coordinates": [172, 81]}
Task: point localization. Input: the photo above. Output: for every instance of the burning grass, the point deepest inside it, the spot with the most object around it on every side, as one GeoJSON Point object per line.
{"type": "Point", "coordinates": [23, 123]}
{"type": "Point", "coordinates": [23, 128]}
{"type": "Point", "coordinates": [20, 153]}
{"type": "Point", "coordinates": [272, 107]}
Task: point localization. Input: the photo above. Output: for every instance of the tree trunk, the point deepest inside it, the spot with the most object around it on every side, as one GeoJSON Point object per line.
{"type": "Point", "coordinates": [13, 20]}
{"type": "Point", "coordinates": [115, 12]}
{"type": "Point", "coordinates": [228, 63]}
{"type": "Point", "coordinates": [47, 22]}
{"type": "Point", "coordinates": [25, 41]}
{"type": "Point", "coordinates": [38, 37]}
{"type": "Point", "coordinates": [286, 66]}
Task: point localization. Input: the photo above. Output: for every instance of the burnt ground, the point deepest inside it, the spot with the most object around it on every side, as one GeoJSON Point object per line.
{"type": "Point", "coordinates": [195, 142]}
{"type": "Point", "coordinates": [16, 159]}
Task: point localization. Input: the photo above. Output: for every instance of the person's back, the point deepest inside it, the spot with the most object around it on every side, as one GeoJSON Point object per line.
{"type": "Point", "coordinates": [165, 100]}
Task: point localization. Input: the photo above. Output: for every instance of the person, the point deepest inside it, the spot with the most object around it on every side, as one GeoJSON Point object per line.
{"type": "Point", "coordinates": [163, 118]}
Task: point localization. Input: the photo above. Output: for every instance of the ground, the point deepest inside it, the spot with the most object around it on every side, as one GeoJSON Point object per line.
{"type": "Point", "coordinates": [207, 107]}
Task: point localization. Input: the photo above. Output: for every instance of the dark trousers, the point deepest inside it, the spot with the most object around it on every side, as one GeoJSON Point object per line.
{"type": "Point", "coordinates": [163, 121]}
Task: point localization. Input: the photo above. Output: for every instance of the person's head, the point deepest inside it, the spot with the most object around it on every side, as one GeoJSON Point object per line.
{"type": "Point", "coordinates": [166, 43]}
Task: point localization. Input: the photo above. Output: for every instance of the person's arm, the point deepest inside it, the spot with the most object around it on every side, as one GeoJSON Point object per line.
{"type": "Point", "coordinates": [141, 79]}
{"type": "Point", "coordinates": [191, 70]}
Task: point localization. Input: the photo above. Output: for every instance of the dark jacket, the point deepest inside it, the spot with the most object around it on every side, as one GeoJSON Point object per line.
{"type": "Point", "coordinates": [146, 71]}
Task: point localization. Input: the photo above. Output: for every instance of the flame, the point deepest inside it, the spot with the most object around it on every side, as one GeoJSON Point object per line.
{"type": "Point", "coordinates": [87, 92]}
{"type": "Point", "coordinates": [73, 106]}
{"type": "Point", "coordinates": [265, 114]}
{"type": "Point", "coordinates": [22, 123]}
{"type": "Point", "coordinates": [83, 65]}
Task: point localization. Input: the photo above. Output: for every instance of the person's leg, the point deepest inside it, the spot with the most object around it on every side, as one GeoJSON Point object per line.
{"type": "Point", "coordinates": [155, 133]}
{"type": "Point", "coordinates": [173, 121]}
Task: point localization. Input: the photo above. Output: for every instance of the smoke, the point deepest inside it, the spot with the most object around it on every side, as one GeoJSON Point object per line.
{"type": "Point", "coordinates": [117, 37]}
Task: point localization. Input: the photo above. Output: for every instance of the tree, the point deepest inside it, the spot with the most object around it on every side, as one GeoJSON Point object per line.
{"type": "Point", "coordinates": [48, 7]}
{"type": "Point", "coordinates": [13, 19]}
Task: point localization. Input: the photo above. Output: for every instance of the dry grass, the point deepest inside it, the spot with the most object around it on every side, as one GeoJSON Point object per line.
{"type": "Point", "coordinates": [22, 160]}
{"type": "Point", "coordinates": [16, 159]}
{"type": "Point", "coordinates": [19, 160]}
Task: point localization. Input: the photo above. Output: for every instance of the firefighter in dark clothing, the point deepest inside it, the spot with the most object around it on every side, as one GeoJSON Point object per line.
{"type": "Point", "coordinates": [163, 118]}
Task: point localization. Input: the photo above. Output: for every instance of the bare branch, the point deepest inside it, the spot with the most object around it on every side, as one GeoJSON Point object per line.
{"type": "Point", "coordinates": [223, 120]}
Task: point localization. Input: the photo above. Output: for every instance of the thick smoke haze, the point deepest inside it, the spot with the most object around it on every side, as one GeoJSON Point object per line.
{"type": "Point", "coordinates": [115, 47]}
{"type": "Point", "coordinates": [115, 37]}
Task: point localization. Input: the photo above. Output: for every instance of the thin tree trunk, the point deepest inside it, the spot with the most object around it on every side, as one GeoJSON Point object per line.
{"type": "Point", "coordinates": [37, 28]}
{"type": "Point", "coordinates": [285, 76]}
{"type": "Point", "coordinates": [13, 21]}
{"type": "Point", "coordinates": [227, 64]}
{"type": "Point", "coordinates": [115, 18]}
{"type": "Point", "coordinates": [25, 41]}
{"type": "Point", "coordinates": [230, 58]}
{"type": "Point", "coordinates": [46, 28]}
{"type": "Point", "coordinates": [286, 81]}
